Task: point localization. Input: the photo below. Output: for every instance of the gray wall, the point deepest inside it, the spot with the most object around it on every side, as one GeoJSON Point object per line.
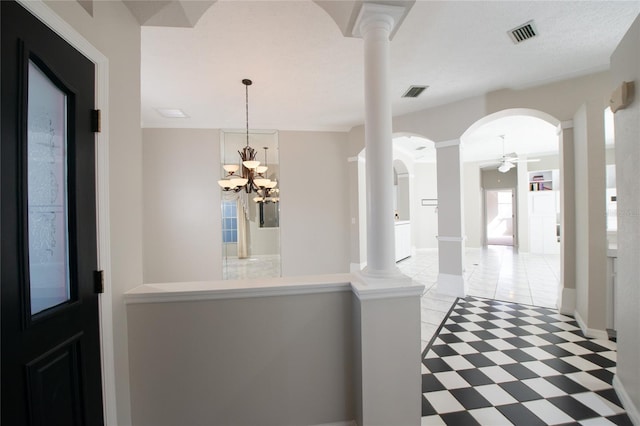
{"type": "Point", "coordinates": [473, 216]}
{"type": "Point", "coordinates": [182, 205]}
{"type": "Point", "coordinates": [493, 179]}
{"type": "Point", "coordinates": [590, 224]}
{"type": "Point", "coordinates": [625, 66]}
{"type": "Point", "coordinates": [284, 360]}
{"type": "Point", "coordinates": [182, 238]}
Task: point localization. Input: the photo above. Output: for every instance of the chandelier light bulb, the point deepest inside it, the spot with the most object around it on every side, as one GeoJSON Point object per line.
{"type": "Point", "coordinates": [251, 164]}
{"type": "Point", "coordinates": [231, 168]}
{"type": "Point", "coordinates": [225, 184]}
{"type": "Point", "coordinates": [262, 182]}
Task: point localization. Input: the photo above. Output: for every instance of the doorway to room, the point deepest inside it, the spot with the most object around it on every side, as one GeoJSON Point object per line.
{"type": "Point", "coordinates": [500, 217]}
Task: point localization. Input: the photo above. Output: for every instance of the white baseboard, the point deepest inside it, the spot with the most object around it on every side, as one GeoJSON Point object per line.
{"type": "Point", "coordinates": [451, 285]}
{"type": "Point", "coordinates": [592, 333]}
{"type": "Point", "coordinates": [566, 301]}
{"type": "Point", "coordinates": [356, 267]}
{"type": "Point", "coordinates": [625, 399]}
{"type": "Point", "coordinates": [427, 250]}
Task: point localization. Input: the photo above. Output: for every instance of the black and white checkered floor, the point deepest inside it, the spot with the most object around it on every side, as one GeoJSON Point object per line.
{"type": "Point", "coordinates": [501, 363]}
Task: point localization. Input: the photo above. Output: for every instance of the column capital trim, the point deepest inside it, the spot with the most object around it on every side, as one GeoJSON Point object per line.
{"type": "Point", "coordinates": [450, 239]}
{"type": "Point", "coordinates": [391, 15]}
{"type": "Point", "coordinates": [566, 124]}
{"type": "Point", "coordinates": [445, 144]}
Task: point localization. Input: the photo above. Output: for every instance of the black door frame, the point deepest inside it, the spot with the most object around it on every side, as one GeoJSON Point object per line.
{"type": "Point", "coordinates": [41, 11]}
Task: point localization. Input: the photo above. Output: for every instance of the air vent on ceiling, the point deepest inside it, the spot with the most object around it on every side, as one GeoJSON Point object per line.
{"type": "Point", "coordinates": [414, 91]}
{"type": "Point", "coordinates": [523, 32]}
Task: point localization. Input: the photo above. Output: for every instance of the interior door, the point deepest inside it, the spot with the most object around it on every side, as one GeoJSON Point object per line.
{"type": "Point", "coordinates": [500, 217]}
{"type": "Point", "coordinates": [51, 370]}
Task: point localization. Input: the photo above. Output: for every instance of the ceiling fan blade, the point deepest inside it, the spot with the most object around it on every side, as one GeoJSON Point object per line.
{"type": "Point", "coordinates": [531, 160]}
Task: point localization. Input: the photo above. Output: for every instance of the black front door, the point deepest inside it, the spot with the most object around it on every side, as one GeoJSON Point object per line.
{"type": "Point", "coordinates": [51, 370]}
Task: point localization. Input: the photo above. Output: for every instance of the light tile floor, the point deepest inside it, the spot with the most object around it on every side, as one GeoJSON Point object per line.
{"type": "Point", "coordinates": [494, 272]}
{"type": "Point", "coordinates": [256, 266]}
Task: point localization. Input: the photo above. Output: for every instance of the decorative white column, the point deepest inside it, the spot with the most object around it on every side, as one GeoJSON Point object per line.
{"type": "Point", "coordinates": [387, 303]}
{"type": "Point", "coordinates": [375, 24]}
{"type": "Point", "coordinates": [450, 219]}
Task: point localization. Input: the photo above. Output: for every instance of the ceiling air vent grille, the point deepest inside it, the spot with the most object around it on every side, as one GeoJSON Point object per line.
{"type": "Point", "coordinates": [414, 91]}
{"type": "Point", "coordinates": [523, 32]}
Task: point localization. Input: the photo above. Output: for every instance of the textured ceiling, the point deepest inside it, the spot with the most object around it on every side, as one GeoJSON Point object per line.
{"type": "Point", "coordinates": [308, 76]}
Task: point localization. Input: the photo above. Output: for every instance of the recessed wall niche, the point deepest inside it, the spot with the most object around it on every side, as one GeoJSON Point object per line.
{"type": "Point", "coordinates": [250, 229]}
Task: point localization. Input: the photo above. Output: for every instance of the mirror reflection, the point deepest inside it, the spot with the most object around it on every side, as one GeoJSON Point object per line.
{"type": "Point", "coordinates": [250, 218]}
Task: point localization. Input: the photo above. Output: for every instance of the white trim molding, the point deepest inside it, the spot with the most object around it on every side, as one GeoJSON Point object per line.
{"type": "Point", "coordinates": [632, 411]}
{"type": "Point", "coordinates": [450, 239]}
{"type": "Point", "coordinates": [45, 14]}
{"type": "Point", "coordinates": [356, 267]}
{"type": "Point", "coordinates": [451, 285]}
{"type": "Point", "coordinates": [445, 144]}
{"type": "Point", "coordinates": [591, 333]}
{"type": "Point", "coordinates": [393, 16]}
{"type": "Point", "coordinates": [566, 303]}
{"type": "Point", "coordinates": [366, 292]}
{"type": "Point", "coordinates": [568, 124]}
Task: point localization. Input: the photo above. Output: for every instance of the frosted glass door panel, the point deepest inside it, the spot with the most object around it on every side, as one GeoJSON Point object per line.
{"type": "Point", "coordinates": [47, 192]}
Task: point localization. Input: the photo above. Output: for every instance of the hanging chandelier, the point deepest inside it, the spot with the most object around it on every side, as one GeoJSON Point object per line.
{"type": "Point", "coordinates": [267, 191]}
{"type": "Point", "coordinates": [252, 175]}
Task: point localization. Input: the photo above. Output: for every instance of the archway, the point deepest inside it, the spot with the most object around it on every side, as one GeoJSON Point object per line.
{"type": "Point", "coordinates": [514, 151]}
{"type": "Point", "coordinates": [415, 195]}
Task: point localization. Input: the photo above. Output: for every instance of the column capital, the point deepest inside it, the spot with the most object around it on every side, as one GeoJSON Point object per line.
{"type": "Point", "coordinates": [444, 144]}
{"type": "Point", "coordinates": [387, 16]}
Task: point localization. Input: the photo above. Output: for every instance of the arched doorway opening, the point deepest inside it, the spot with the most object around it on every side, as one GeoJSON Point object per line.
{"type": "Point", "coordinates": [415, 201]}
{"type": "Point", "coordinates": [512, 204]}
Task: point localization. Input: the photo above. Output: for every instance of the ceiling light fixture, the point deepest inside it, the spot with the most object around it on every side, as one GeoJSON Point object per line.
{"type": "Point", "coordinates": [252, 177]}
{"type": "Point", "coordinates": [172, 113]}
{"type": "Point", "coordinates": [506, 166]}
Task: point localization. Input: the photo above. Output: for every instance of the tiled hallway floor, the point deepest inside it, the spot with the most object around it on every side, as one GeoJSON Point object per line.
{"type": "Point", "coordinates": [502, 363]}
{"type": "Point", "coordinates": [504, 355]}
{"type": "Point", "coordinates": [494, 272]}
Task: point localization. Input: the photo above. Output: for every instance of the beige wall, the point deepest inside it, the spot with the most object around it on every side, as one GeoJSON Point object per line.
{"type": "Point", "coordinates": [116, 34]}
{"type": "Point", "coordinates": [182, 232]}
{"type": "Point", "coordinates": [424, 221]}
{"type": "Point", "coordinates": [625, 65]}
{"type": "Point", "coordinates": [314, 203]}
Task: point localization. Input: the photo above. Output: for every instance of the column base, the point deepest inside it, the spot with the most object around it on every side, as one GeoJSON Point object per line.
{"type": "Point", "coordinates": [387, 353]}
{"type": "Point", "coordinates": [566, 301]}
{"type": "Point", "coordinates": [384, 275]}
{"type": "Point", "coordinates": [451, 285]}
{"type": "Point", "coordinates": [372, 287]}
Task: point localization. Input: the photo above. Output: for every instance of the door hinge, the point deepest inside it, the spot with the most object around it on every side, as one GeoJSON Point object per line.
{"type": "Point", "coordinates": [98, 281]}
{"type": "Point", "coordinates": [96, 120]}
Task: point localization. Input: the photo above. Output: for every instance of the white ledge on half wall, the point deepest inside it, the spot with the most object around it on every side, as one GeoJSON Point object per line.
{"type": "Point", "coordinates": [280, 286]}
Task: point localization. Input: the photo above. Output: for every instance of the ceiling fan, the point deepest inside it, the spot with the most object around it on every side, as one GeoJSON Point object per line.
{"type": "Point", "coordinates": [508, 161]}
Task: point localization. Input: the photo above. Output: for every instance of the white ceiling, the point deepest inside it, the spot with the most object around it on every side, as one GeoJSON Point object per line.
{"type": "Point", "coordinates": [308, 76]}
